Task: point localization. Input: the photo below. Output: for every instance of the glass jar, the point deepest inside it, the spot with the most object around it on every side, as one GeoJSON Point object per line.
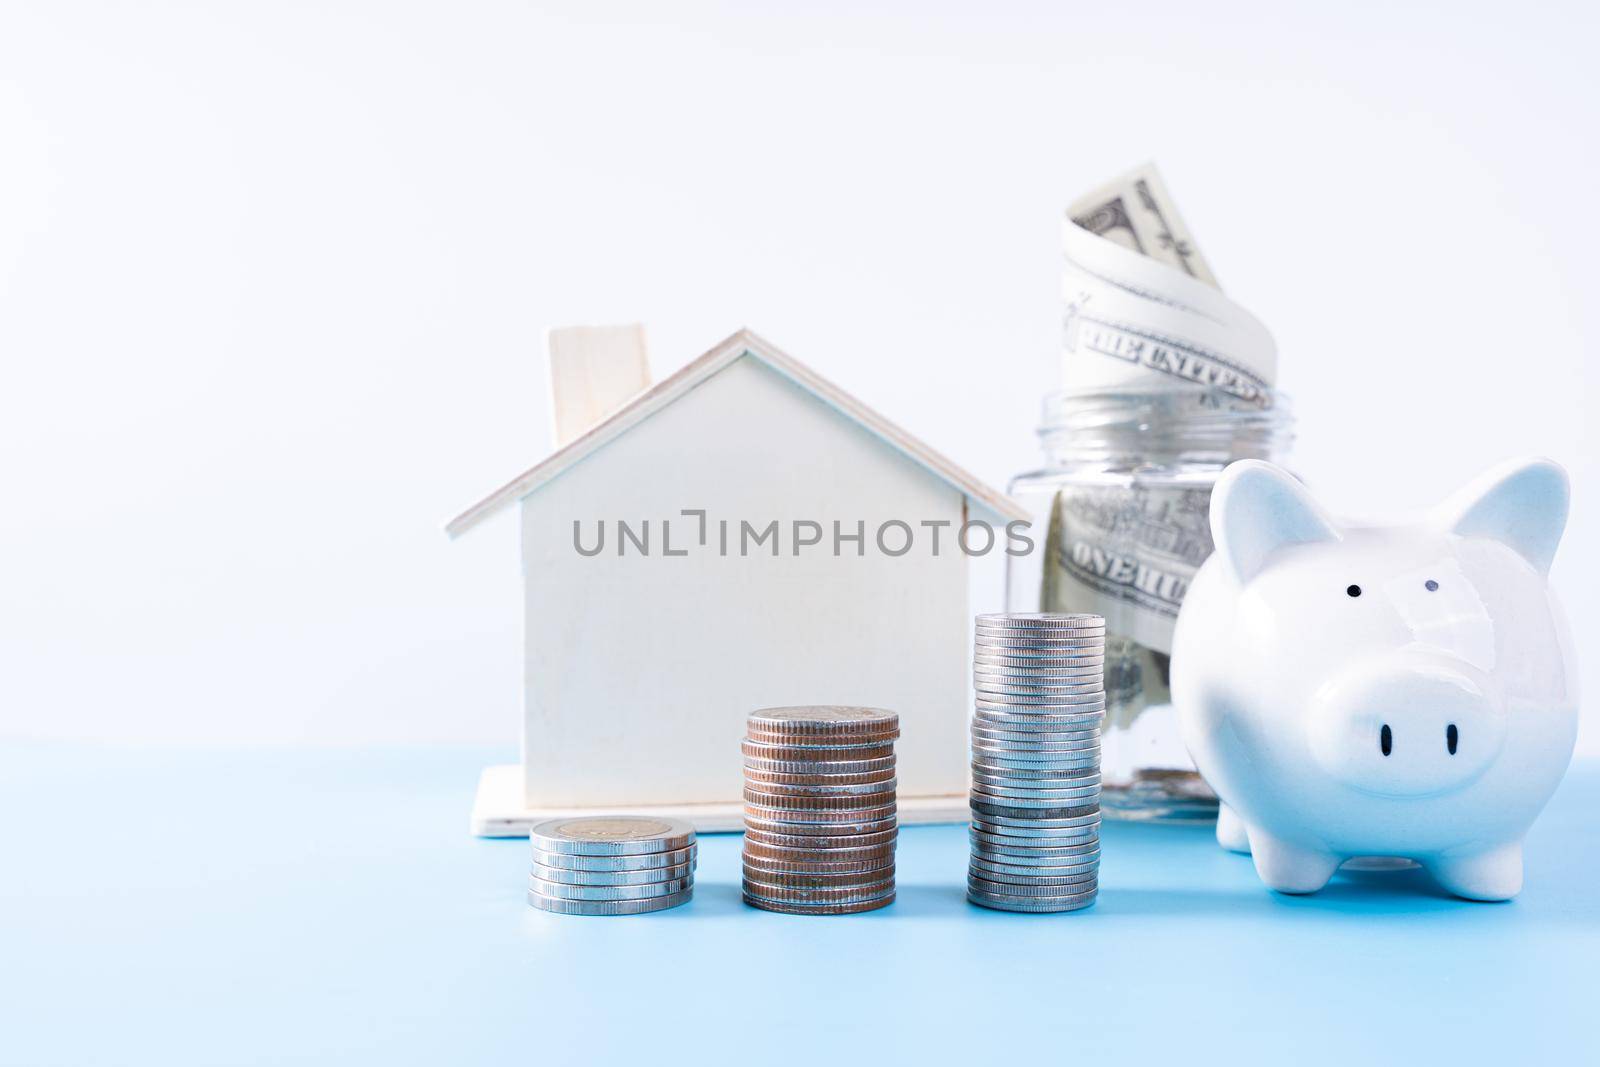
{"type": "Point", "coordinates": [1121, 522]}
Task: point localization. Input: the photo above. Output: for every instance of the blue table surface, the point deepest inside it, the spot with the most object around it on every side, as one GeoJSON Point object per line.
{"type": "Point", "coordinates": [300, 906]}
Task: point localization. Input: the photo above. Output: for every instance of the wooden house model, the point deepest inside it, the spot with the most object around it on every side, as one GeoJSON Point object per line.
{"type": "Point", "coordinates": [734, 537]}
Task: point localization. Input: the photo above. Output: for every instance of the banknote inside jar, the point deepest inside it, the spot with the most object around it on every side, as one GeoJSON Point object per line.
{"type": "Point", "coordinates": [1165, 381]}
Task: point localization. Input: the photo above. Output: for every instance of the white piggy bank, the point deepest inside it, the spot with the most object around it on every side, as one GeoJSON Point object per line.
{"type": "Point", "coordinates": [1398, 691]}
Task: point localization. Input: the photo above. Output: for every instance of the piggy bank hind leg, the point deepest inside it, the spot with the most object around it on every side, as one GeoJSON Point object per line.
{"type": "Point", "coordinates": [1290, 868]}
{"type": "Point", "coordinates": [1492, 875]}
{"type": "Point", "coordinates": [1231, 833]}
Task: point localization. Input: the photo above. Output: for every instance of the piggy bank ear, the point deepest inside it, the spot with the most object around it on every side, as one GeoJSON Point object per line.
{"type": "Point", "coordinates": [1522, 504]}
{"type": "Point", "coordinates": [1256, 509]}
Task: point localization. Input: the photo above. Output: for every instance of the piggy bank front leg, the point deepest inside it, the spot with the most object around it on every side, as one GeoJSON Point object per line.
{"type": "Point", "coordinates": [1492, 875]}
{"type": "Point", "coordinates": [1290, 868]}
{"type": "Point", "coordinates": [1231, 833]}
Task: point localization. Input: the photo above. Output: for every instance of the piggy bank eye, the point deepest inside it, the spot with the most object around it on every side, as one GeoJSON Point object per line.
{"type": "Point", "coordinates": [1354, 590]}
{"type": "Point", "coordinates": [1431, 586]}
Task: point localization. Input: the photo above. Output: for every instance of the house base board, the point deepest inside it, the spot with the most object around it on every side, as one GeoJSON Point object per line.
{"type": "Point", "coordinates": [499, 811]}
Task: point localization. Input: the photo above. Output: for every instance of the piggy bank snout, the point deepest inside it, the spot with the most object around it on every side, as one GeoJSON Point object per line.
{"type": "Point", "coordinates": [1407, 726]}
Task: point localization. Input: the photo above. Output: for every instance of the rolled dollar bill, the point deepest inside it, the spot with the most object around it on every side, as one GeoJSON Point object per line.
{"type": "Point", "coordinates": [1142, 306]}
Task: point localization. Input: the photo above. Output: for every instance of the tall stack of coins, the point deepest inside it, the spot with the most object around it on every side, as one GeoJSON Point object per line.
{"type": "Point", "coordinates": [611, 865]}
{"type": "Point", "coordinates": [819, 813]}
{"type": "Point", "coordinates": [1035, 795]}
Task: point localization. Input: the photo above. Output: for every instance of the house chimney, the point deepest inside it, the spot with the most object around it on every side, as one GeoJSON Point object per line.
{"type": "Point", "coordinates": [594, 370]}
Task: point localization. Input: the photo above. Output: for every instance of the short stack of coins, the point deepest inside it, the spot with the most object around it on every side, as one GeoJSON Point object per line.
{"type": "Point", "coordinates": [611, 865]}
{"type": "Point", "coordinates": [1039, 700]}
{"type": "Point", "coordinates": [819, 813]}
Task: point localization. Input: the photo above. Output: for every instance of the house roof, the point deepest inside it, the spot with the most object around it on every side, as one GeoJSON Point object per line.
{"type": "Point", "coordinates": [744, 343]}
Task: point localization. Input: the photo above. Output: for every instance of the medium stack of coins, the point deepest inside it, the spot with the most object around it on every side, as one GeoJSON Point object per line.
{"type": "Point", "coordinates": [819, 813]}
{"type": "Point", "coordinates": [611, 865]}
{"type": "Point", "coordinates": [1036, 761]}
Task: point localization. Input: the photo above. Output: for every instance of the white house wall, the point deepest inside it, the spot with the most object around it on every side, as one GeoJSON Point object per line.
{"type": "Point", "coordinates": [641, 669]}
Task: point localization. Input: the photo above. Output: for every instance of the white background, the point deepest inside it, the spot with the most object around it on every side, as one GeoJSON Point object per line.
{"type": "Point", "coordinates": [274, 279]}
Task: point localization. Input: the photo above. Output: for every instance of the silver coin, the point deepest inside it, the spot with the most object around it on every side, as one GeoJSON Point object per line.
{"type": "Point", "coordinates": [1054, 775]}
{"type": "Point", "coordinates": [1059, 849]}
{"type": "Point", "coordinates": [1016, 744]}
{"type": "Point", "coordinates": [644, 861]}
{"type": "Point", "coordinates": [852, 816]}
{"type": "Point", "coordinates": [607, 907]}
{"type": "Point", "coordinates": [1024, 856]}
{"type": "Point", "coordinates": [1067, 702]}
{"type": "Point", "coordinates": [563, 891]}
{"type": "Point", "coordinates": [818, 867]}
{"type": "Point", "coordinates": [875, 765]}
{"type": "Point", "coordinates": [765, 895]}
{"type": "Point", "coordinates": [1041, 618]}
{"type": "Point", "coordinates": [800, 908]}
{"type": "Point", "coordinates": [1041, 771]}
{"type": "Point", "coordinates": [1025, 733]}
{"type": "Point", "coordinates": [845, 839]}
{"type": "Point", "coordinates": [611, 835]}
{"type": "Point", "coordinates": [1018, 647]}
{"type": "Point", "coordinates": [1038, 699]}
{"type": "Point", "coordinates": [1002, 787]}
{"type": "Point", "coordinates": [1045, 673]}
{"type": "Point", "coordinates": [1011, 872]}
{"type": "Point", "coordinates": [1030, 650]}
{"type": "Point", "coordinates": [818, 751]}
{"type": "Point", "coordinates": [1012, 809]}
{"type": "Point", "coordinates": [1072, 696]}
{"type": "Point", "coordinates": [1001, 868]}
{"type": "Point", "coordinates": [1067, 842]}
{"type": "Point", "coordinates": [1010, 826]}
{"type": "Point", "coordinates": [1002, 708]}
{"type": "Point", "coordinates": [992, 888]}
{"type": "Point", "coordinates": [1088, 636]}
{"type": "Point", "coordinates": [1044, 722]}
{"type": "Point", "coordinates": [1015, 624]}
{"type": "Point", "coordinates": [992, 807]}
{"type": "Point", "coordinates": [799, 881]}
{"type": "Point", "coordinates": [568, 876]}
{"type": "Point", "coordinates": [794, 827]}
{"type": "Point", "coordinates": [848, 789]}
{"type": "Point", "coordinates": [1039, 731]}
{"type": "Point", "coordinates": [1036, 887]}
{"type": "Point", "coordinates": [1014, 904]}
{"type": "Point", "coordinates": [1046, 776]}
{"type": "Point", "coordinates": [1083, 724]}
{"type": "Point", "coordinates": [1003, 782]}
{"type": "Point", "coordinates": [1035, 745]}
{"type": "Point", "coordinates": [1047, 679]}
{"type": "Point", "coordinates": [1032, 757]}
{"type": "Point", "coordinates": [1055, 765]}
{"type": "Point", "coordinates": [997, 838]}
{"type": "Point", "coordinates": [1031, 683]}
{"type": "Point", "coordinates": [992, 659]}
{"type": "Point", "coordinates": [797, 772]}
{"type": "Point", "coordinates": [781, 884]}
{"type": "Point", "coordinates": [1086, 632]}
{"type": "Point", "coordinates": [831, 721]}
